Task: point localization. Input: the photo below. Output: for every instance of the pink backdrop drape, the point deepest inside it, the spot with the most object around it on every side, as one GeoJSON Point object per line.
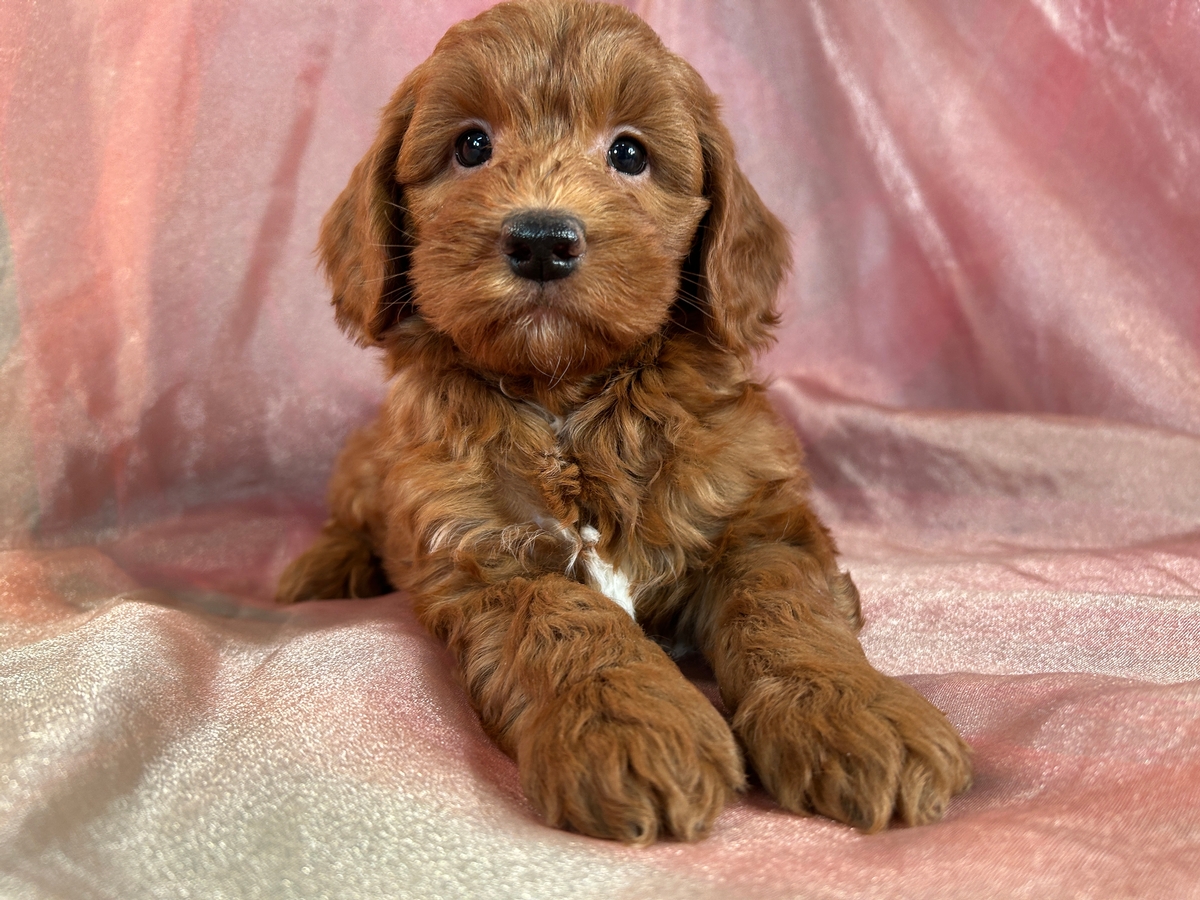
{"type": "Point", "coordinates": [991, 350]}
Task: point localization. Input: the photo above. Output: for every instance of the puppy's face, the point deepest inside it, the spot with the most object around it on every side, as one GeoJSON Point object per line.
{"type": "Point", "coordinates": [553, 179]}
{"type": "Point", "coordinates": [534, 192]}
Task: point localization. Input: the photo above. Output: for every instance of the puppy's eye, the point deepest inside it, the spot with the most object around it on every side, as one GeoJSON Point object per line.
{"type": "Point", "coordinates": [473, 148]}
{"type": "Point", "coordinates": [627, 156]}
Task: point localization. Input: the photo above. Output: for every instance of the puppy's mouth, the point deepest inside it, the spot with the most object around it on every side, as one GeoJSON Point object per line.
{"type": "Point", "coordinates": [541, 313]}
{"type": "Point", "coordinates": [544, 251]}
{"type": "Point", "coordinates": [546, 308]}
{"type": "Point", "coordinates": [546, 329]}
{"type": "Point", "coordinates": [541, 296]}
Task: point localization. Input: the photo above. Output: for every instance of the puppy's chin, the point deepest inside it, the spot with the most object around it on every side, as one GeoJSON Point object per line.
{"type": "Point", "coordinates": [554, 331]}
{"type": "Point", "coordinates": [544, 339]}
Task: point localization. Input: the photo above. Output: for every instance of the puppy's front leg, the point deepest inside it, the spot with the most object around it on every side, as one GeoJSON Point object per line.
{"type": "Point", "coordinates": [611, 740]}
{"type": "Point", "coordinates": [825, 731]}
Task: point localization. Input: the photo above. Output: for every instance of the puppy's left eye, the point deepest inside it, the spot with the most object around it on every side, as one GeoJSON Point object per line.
{"type": "Point", "coordinates": [627, 156]}
{"type": "Point", "coordinates": [473, 148]}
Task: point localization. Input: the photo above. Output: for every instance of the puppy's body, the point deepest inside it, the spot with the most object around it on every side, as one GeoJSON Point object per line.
{"type": "Point", "coordinates": [577, 442]}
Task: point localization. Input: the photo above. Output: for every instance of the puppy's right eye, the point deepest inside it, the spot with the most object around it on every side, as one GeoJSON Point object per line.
{"type": "Point", "coordinates": [473, 148]}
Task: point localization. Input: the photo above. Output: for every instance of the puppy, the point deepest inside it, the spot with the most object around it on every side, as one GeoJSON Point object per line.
{"type": "Point", "coordinates": [569, 275]}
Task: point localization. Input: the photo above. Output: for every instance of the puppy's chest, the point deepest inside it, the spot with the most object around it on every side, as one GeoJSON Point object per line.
{"type": "Point", "coordinates": [584, 496]}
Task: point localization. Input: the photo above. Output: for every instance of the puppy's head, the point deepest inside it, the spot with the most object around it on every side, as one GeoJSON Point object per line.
{"type": "Point", "coordinates": [549, 189]}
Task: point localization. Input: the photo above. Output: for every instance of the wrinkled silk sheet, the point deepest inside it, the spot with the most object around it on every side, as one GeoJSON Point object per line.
{"type": "Point", "coordinates": [990, 350]}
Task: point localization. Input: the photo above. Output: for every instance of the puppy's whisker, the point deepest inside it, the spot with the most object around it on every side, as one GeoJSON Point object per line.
{"type": "Point", "coordinates": [557, 380]}
{"type": "Point", "coordinates": [399, 229]}
{"type": "Point", "coordinates": [402, 288]}
{"type": "Point", "coordinates": [378, 280]}
{"type": "Point", "coordinates": [539, 369]}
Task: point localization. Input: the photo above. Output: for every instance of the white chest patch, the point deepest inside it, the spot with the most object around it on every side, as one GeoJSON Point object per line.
{"type": "Point", "coordinates": [611, 582]}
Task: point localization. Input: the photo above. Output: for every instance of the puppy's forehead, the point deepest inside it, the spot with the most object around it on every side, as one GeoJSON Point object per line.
{"type": "Point", "coordinates": [549, 69]}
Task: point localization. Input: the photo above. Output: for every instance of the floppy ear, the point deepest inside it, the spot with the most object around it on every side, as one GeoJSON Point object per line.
{"type": "Point", "coordinates": [364, 245]}
{"type": "Point", "coordinates": [742, 250]}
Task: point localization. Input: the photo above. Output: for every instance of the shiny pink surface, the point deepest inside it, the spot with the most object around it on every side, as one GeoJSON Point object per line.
{"type": "Point", "coordinates": [991, 350]}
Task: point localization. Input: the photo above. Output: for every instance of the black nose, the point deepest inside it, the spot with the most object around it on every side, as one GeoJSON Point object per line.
{"type": "Point", "coordinates": [542, 246]}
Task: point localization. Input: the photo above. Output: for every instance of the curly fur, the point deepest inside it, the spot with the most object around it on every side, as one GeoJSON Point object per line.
{"type": "Point", "coordinates": [537, 431]}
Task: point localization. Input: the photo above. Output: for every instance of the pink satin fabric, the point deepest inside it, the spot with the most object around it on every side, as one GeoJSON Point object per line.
{"type": "Point", "coordinates": [991, 350]}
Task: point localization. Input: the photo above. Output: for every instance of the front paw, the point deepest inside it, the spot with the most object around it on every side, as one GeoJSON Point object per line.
{"type": "Point", "coordinates": [630, 753]}
{"type": "Point", "coordinates": [855, 746]}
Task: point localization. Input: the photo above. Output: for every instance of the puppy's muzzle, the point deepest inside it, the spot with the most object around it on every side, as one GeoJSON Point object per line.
{"type": "Point", "coordinates": [542, 246]}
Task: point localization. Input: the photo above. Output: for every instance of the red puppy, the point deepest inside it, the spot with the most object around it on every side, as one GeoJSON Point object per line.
{"type": "Point", "coordinates": [569, 275]}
